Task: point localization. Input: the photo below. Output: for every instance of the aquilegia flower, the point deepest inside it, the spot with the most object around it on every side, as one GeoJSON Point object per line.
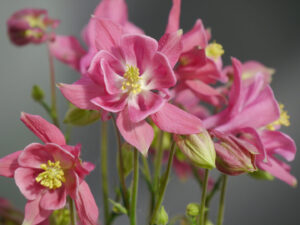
{"type": "Point", "coordinates": [47, 174]}
{"type": "Point", "coordinates": [30, 26]}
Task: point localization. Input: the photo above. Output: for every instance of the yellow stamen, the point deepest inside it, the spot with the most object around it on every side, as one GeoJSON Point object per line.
{"type": "Point", "coordinates": [52, 177]}
{"type": "Point", "coordinates": [132, 80]}
{"type": "Point", "coordinates": [36, 22]}
{"type": "Point", "coordinates": [283, 120]}
{"type": "Point", "coordinates": [214, 50]}
{"type": "Point", "coordinates": [33, 33]}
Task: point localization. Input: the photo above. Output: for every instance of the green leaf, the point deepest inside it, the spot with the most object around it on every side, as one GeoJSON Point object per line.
{"type": "Point", "coordinates": [81, 117]}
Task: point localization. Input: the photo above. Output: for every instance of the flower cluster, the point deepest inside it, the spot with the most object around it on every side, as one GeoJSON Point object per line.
{"type": "Point", "coordinates": [174, 90]}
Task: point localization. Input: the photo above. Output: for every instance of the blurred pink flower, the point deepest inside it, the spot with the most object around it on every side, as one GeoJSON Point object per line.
{"type": "Point", "coordinates": [30, 26]}
{"type": "Point", "coordinates": [47, 174]}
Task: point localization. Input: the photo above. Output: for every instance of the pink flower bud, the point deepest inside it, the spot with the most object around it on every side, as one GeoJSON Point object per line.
{"type": "Point", "coordinates": [30, 26]}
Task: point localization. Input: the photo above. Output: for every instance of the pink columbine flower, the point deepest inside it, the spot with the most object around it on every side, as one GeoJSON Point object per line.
{"type": "Point", "coordinates": [130, 76]}
{"type": "Point", "coordinates": [47, 174]}
{"type": "Point", "coordinates": [30, 26]}
{"type": "Point", "coordinates": [252, 118]}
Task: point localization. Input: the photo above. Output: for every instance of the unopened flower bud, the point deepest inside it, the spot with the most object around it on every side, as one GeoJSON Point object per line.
{"type": "Point", "coordinates": [199, 148]}
{"type": "Point", "coordinates": [30, 26]}
{"type": "Point", "coordinates": [37, 93]}
{"type": "Point", "coordinates": [118, 208]}
{"type": "Point", "coordinates": [162, 217]}
{"type": "Point", "coordinates": [261, 175]}
{"type": "Point", "coordinates": [192, 209]}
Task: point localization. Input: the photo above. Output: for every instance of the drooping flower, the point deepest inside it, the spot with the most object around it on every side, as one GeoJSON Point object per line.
{"type": "Point", "coordinates": [136, 73]}
{"type": "Point", "coordinates": [47, 174]}
{"type": "Point", "coordinates": [30, 26]}
{"type": "Point", "coordinates": [252, 108]}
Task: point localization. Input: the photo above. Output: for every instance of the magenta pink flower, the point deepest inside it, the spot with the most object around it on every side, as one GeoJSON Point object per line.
{"type": "Point", "coordinates": [129, 76]}
{"type": "Point", "coordinates": [47, 174]}
{"type": "Point", "coordinates": [251, 111]}
{"type": "Point", "coordinates": [30, 26]}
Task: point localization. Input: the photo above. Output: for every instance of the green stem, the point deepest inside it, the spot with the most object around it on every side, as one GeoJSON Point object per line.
{"type": "Point", "coordinates": [164, 184]}
{"type": "Point", "coordinates": [104, 173]}
{"type": "Point", "coordinates": [197, 177]}
{"type": "Point", "coordinates": [158, 160]}
{"type": "Point", "coordinates": [203, 198]}
{"type": "Point", "coordinates": [222, 200]}
{"type": "Point", "coordinates": [134, 192]}
{"type": "Point", "coordinates": [53, 89]}
{"type": "Point", "coordinates": [121, 167]}
{"type": "Point", "coordinates": [72, 211]}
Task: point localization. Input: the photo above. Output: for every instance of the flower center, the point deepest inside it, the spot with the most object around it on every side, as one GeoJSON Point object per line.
{"type": "Point", "coordinates": [52, 177]}
{"type": "Point", "coordinates": [36, 22]}
{"type": "Point", "coordinates": [132, 80]}
{"type": "Point", "coordinates": [214, 50]}
{"type": "Point", "coordinates": [284, 119]}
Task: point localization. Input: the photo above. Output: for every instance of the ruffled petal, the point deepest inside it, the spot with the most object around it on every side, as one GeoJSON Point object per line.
{"type": "Point", "coordinates": [140, 134]}
{"type": "Point", "coordinates": [86, 206]}
{"type": "Point", "coordinates": [143, 105]}
{"type": "Point", "coordinates": [44, 130]}
{"type": "Point", "coordinates": [54, 199]}
{"type": "Point", "coordinates": [9, 164]}
{"type": "Point", "coordinates": [111, 103]}
{"type": "Point", "coordinates": [174, 120]}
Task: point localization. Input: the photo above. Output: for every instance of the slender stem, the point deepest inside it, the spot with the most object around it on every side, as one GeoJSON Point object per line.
{"type": "Point", "coordinates": [203, 198]}
{"type": "Point", "coordinates": [197, 177]}
{"type": "Point", "coordinates": [121, 166]}
{"type": "Point", "coordinates": [104, 172]}
{"type": "Point", "coordinates": [53, 89]}
{"type": "Point", "coordinates": [158, 160]}
{"type": "Point", "coordinates": [72, 211]}
{"type": "Point", "coordinates": [222, 200]}
{"type": "Point", "coordinates": [134, 192]}
{"type": "Point", "coordinates": [164, 184]}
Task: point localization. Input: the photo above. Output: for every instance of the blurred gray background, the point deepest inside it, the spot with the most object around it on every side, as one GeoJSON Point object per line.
{"type": "Point", "coordinates": [264, 30]}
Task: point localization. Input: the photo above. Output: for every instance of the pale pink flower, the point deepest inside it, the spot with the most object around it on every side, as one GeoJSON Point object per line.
{"type": "Point", "coordinates": [30, 26]}
{"type": "Point", "coordinates": [47, 174]}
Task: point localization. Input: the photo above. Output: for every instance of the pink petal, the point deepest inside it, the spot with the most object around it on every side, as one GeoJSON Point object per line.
{"type": "Point", "coordinates": [72, 183]}
{"type": "Point", "coordinates": [34, 214]}
{"type": "Point", "coordinates": [68, 50]}
{"type": "Point", "coordinates": [143, 105]}
{"type": "Point", "coordinates": [25, 180]}
{"type": "Point", "coordinates": [170, 45]}
{"type": "Point", "coordinates": [44, 130]}
{"type": "Point", "coordinates": [279, 143]}
{"type": "Point", "coordinates": [174, 17]}
{"type": "Point", "coordinates": [115, 10]}
{"type": "Point", "coordinates": [138, 50]}
{"type": "Point", "coordinates": [9, 164]}
{"type": "Point", "coordinates": [54, 199]}
{"type": "Point", "coordinates": [34, 155]}
{"type": "Point", "coordinates": [201, 88]}
{"type": "Point", "coordinates": [197, 36]}
{"type": "Point", "coordinates": [108, 34]}
{"type": "Point", "coordinates": [86, 206]}
{"type": "Point", "coordinates": [82, 92]}
{"type": "Point", "coordinates": [132, 29]}
{"type": "Point", "coordinates": [160, 74]}
{"type": "Point", "coordinates": [277, 170]}
{"type": "Point", "coordinates": [140, 134]}
{"type": "Point", "coordinates": [174, 120]}
{"type": "Point", "coordinates": [111, 103]}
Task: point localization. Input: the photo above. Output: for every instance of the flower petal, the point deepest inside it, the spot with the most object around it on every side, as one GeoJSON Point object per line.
{"type": "Point", "coordinates": [201, 88]}
{"type": "Point", "coordinates": [54, 199]}
{"type": "Point", "coordinates": [140, 134]}
{"type": "Point", "coordinates": [72, 183]}
{"type": "Point", "coordinates": [115, 10]}
{"type": "Point", "coordinates": [68, 50]}
{"type": "Point", "coordinates": [81, 93]}
{"type": "Point", "coordinates": [34, 214]}
{"type": "Point", "coordinates": [44, 130]}
{"type": "Point", "coordinates": [174, 120]}
{"type": "Point", "coordinates": [111, 103]}
{"type": "Point", "coordinates": [86, 206]}
{"type": "Point", "coordinates": [143, 105]}
{"type": "Point", "coordinates": [25, 180]}
{"type": "Point", "coordinates": [174, 17]}
{"type": "Point", "coordinates": [9, 164]}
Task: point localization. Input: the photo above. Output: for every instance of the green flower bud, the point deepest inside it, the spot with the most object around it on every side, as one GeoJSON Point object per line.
{"type": "Point", "coordinates": [192, 209]}
{"type": "Point", "coordinates": [118, 208]}
{"type": "Point", "coordinates": [81, 117]}
{"type": "Point", "coordinates": [37, 93]}
{"type": "Point", "coordinates": [61, 217]}
{"type": "Point", "coordinates": [162, 217]}
{"type": "Point", "coordinates": [208, 222]}
{"type": "Point", "coordinates": [261, 175]}
{"type": "Point", "coordinates": [198, 148]}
